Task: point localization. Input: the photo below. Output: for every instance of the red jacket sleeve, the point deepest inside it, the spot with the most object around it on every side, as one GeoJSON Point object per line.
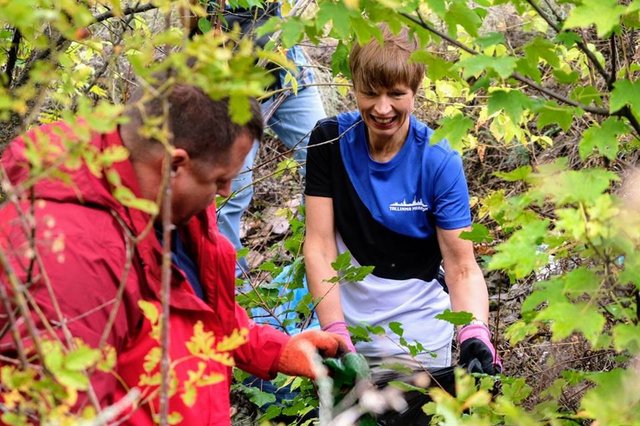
{"type": "Point", "coordinates": [261, 354]}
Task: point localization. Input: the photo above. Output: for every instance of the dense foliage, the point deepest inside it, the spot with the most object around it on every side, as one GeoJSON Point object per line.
{"type": "Point", "coordinates": [518, 77]}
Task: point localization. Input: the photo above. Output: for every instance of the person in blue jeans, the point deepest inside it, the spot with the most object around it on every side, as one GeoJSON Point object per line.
{"type": "Point", "coordinates": [291, 115]}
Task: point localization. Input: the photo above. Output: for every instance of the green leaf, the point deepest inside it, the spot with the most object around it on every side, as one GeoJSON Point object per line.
{"type": "Point", "coordinates": [342, 262]}
{"type": "Point", "coordinates": [521, 173]}
{"type": "Point", "coordinates": [530, 69]}
{"type": "Point", "coordinates": [378, 330]}
{"type": "Point", "coordinates": [566, 77]}
{"type": "Point", "coordinates": [438, 6]}
{"type": "Point", "coordinates": [339, 16]}
{"type": "Point", "coordinates": [204, 25]}
{"type": "Point", "coordinates": [631, 272]}
{"type": "Point", "coordinates": [259, 397]}
{"type": "Point", "coordinates": [128, 199]}
{"type": "Point", "coordinates": [108, 359]}
{"type": "Point", "coordinates": [359, 333]}
{"type": "Point", "coordinates": [406, 387]}
{"type": "Point", "coordinates": [515, 389]}
{"type": "Point", "coordinates": [272, 25]}
{"type": "Point", "coordinates": [604, 14]}
{"type": "Point", "coordinates": [542, 48]}
{"type": "Point", "coordinates": [73, 379]}
{"type": "Point", "coordinates": [239, 109]}
{"type": "Point", "coordinates": [453, 128]}
{"type": "Point", "coordinates": [575, 186]}
{"type": "Point", "coordinates": [490, 39]}
{"type": "Point", "coordinates": [288, 165]}
{"type": "Point", "coordinates": [519, 331]}
{"type": "Point", "coordinates": [362, 28]}
{"type": "Point", "coordinates": [114, 154]}
{"type": "Point", "coordinates": [519, 255]}
{"type": "Point", "coordinates": [566, 318]}
{"type": "Point", "coordinates": [568, 38]}
{"type": "Point", "coordinates": [455, 318]}
{"type": "Point", "coordinates": [548, 291]}
{"type": "Point", "coordinates": [626, 337]}
{"type": "Point", "coordinates": [587, 95]}
{"type": "Point", "coordinates": [475, 65]}
{"type": "Point", "coordinates": [340, 60]}
{"type": "Point", "coordinates": [581, 281]}
{"type": "Point", "coordinates": [174, 418]}
{"type": "Point", "coordinates": [292, 31]}
{"type": "Point", "coordinates": [512, 102]}
{"type": "Point", "coordinates": [552, 113]}
{"type": "Point", "coordinates": [603, 139]}
{"type": "Point", "coordinates": [478, 234]}
{"type": "Point", "coordinates": [436, 67]}
{"type": "Point", "coordinates": [624, 93]}
{"type": "Point", "coordinates": [53, 357]}
{"type": "Point", "coordinates": [396, 327]}
{"type": "Point", "coordinates": [356, 273]}
{"type": "Point", "coordinates": [81, 358]}
{"type": "Point", "coordinates": [612, 401]}
{"type": "Point", "coordinates": [460, 14]}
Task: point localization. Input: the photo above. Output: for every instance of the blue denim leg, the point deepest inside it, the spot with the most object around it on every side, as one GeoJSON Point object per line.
{"type": "Point", "coordinates": [292, 122]}
{"type": "Point", "coordinates": [230, 213]}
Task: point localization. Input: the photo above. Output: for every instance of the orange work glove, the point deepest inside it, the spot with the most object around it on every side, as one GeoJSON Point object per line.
{"type": "Point", "coordinates": [295, 359]}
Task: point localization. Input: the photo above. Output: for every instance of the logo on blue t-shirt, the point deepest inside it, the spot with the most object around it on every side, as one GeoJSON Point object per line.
{"type": "Point", "coordinates": [415, 205]}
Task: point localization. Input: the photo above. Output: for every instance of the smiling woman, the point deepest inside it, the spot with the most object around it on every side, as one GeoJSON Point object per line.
{"type": "Point", "coordinates": [379, 188]}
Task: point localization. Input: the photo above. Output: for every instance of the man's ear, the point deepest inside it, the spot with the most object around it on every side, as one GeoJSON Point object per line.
{"type": "Point", "coordinates": [179, 158]}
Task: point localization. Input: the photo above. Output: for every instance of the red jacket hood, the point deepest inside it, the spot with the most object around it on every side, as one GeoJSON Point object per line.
{"type": "Point", "coordinates": [57, 145]}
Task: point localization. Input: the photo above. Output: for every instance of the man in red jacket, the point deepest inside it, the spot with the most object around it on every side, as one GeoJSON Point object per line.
{"type": "Point", "coordinates": [85, 257]}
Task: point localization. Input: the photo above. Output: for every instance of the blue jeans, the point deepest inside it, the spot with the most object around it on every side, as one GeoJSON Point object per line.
{"type": "Point", "coordinates": [292, 122]}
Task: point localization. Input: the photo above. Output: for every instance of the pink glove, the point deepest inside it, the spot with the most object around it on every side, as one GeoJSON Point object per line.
{"type": "Point", "coordinates": [477, 353]}
{"type": "Point", "coordinates": [340, 328]}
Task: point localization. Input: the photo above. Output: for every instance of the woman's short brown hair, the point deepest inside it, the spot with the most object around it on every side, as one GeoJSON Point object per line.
{"type": "Point", "coordinates": [374, 66]}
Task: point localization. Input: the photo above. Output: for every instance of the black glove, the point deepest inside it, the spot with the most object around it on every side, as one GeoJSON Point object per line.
{"type": "Point", "coordinates": [477, 354]}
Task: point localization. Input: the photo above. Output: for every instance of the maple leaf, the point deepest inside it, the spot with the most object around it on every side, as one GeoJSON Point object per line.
{"type": "Point", "coordinates": [604, 14]}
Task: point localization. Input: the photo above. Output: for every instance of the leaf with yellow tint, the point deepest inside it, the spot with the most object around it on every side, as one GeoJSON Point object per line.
{"type": "Point", "coordinates": [238, 338]}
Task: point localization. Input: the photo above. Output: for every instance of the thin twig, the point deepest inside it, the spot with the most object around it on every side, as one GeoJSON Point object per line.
{"type": "Point", "coordinates": [165, 291]}
{"type": "Point", "coordinates": [129, 253]}
{"type": "Point", "coordinates": [17, 288]}
{"type": "Point", "coordinates": [13, 326]}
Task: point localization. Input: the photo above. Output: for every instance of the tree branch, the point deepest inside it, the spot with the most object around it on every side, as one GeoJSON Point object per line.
{"type": "Point", "coordinates": [126, 11]}
{"type": "Point", "coordinates": [628, 114]}
{"type": "Point", "coordinates": [12, 56]}
{"type": "Point", "coordinates": [61, 41]}
{"type": "Point", "coordinates": [559, 97]}
{"type": "Point", "coordinates": [614, 62]}
{"type": "Point", "coordinates": [519, 77]}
